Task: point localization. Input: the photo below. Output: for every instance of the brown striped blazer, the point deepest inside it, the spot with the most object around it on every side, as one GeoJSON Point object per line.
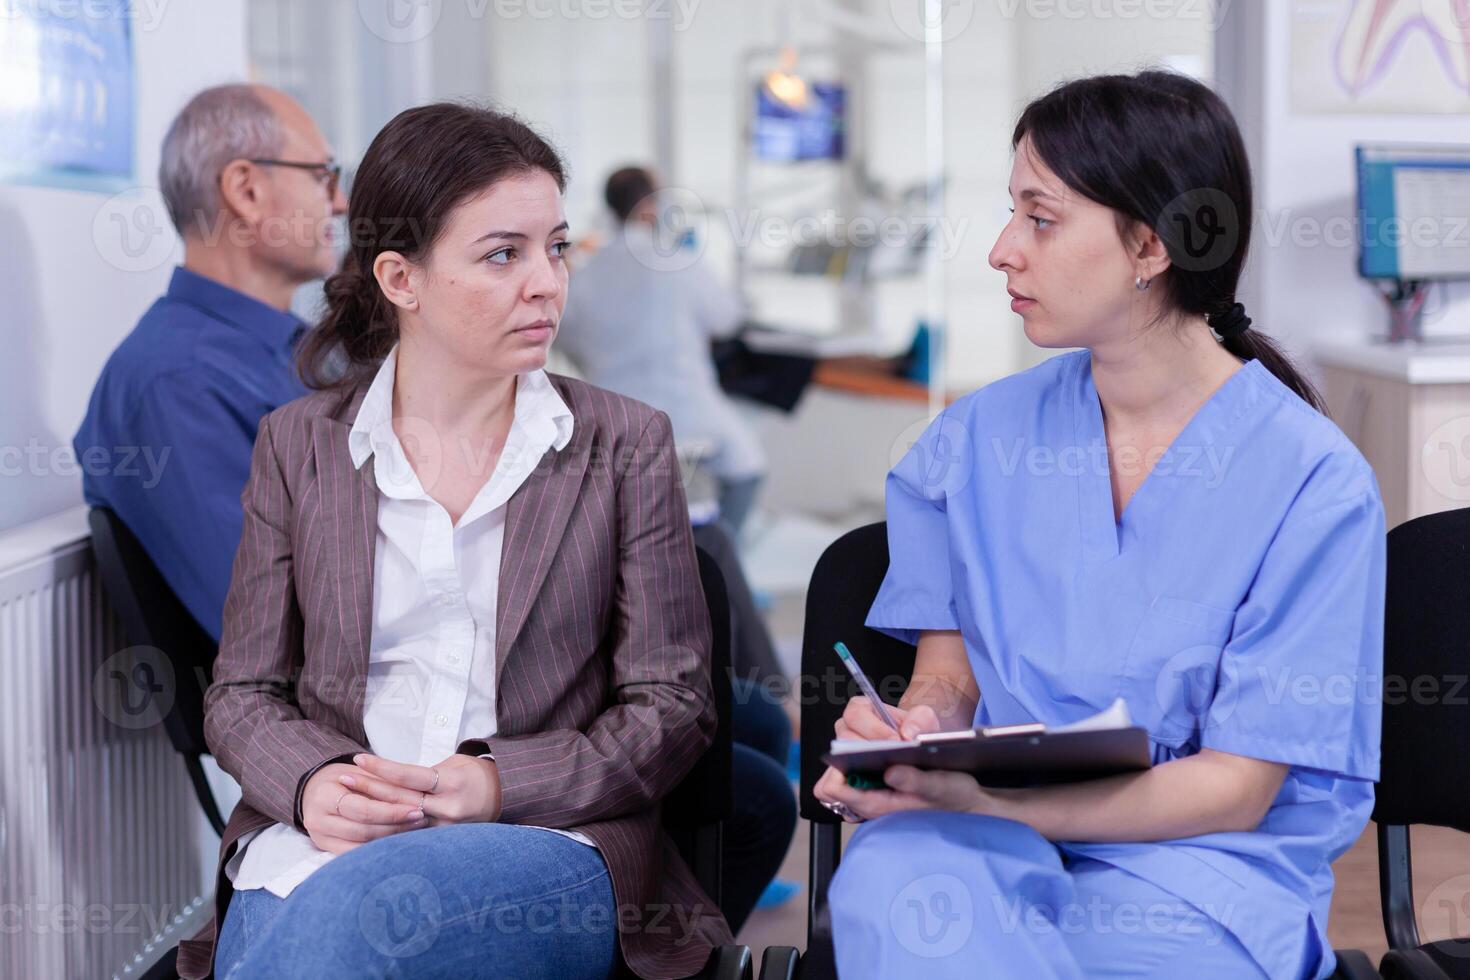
{"type": "Point", "coordinates": [603, 696]}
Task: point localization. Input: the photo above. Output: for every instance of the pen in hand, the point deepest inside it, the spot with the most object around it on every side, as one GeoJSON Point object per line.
{"type": "Point", "coordinates": [865, 685]}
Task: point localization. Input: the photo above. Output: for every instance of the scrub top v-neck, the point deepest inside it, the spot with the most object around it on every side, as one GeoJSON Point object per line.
{"type": "Point", "coordinates": [1236, 604]}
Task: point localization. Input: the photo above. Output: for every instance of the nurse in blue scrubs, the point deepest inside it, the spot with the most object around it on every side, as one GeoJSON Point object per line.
{"type": "Point", "coordinates": [1164, 515]}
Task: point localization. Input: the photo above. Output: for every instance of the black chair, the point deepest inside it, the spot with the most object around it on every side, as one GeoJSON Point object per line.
{"type": "Point", "coordinates": [843, 586]}
{"type": "Point", "coordinates": [1426, 725]}
{"type": "Point", "coordinates": [152, 615]}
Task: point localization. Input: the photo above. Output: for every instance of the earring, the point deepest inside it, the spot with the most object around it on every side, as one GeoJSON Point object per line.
{"type": "Point", "coordinates": [1141, 284]}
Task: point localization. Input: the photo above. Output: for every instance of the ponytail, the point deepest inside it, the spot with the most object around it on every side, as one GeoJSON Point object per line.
{"type": "Point", "coordinates": [356, 331]}
{"type": "Point", "coordinates": [1237, 337]}
{"type": "Point", "coordinates": [1252, 345]}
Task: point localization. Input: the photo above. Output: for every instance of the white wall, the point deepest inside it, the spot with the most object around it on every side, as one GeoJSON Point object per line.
{"type": "Point", "coordinates": [1300, 288]}
{"type": "Point", "coordinates": [1053, 46]}
{"type": "Point", "coordinates": [72, 285]}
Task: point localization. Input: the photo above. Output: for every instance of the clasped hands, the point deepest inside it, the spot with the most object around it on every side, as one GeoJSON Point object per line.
{"type": "Point", "coordinates": [345, 805]}
{"type": "Point", "coordinates": [909, 788]}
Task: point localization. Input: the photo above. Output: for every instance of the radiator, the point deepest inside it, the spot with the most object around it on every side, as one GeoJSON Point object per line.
{"type": "Point", "coordinates": [102, 843]}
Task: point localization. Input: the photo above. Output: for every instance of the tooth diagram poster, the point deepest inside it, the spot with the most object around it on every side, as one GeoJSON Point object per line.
{"type": "Point", "coordinates": [1380, 56]}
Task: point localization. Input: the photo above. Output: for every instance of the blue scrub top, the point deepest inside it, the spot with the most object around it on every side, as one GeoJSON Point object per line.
{"type": "Point", "coordinates": [1236, 605]}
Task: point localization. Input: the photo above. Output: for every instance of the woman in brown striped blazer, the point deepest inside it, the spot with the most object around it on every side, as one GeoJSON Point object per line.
{"type": "Point", "coordinates": [465, 650]}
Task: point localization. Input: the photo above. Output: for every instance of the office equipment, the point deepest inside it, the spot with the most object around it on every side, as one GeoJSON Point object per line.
{"type": "Point", "coordinates": [1413, 224]}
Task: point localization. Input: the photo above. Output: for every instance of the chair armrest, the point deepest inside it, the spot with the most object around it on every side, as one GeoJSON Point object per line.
{"type": "Point", "coordinates": [779, 963]}
{"type": "Point", "coordinates": [1410, 964]}
{"type": "Point", "coordinates": [731, 962]}
{"type": "Point", "coordinates": [1353, 964]}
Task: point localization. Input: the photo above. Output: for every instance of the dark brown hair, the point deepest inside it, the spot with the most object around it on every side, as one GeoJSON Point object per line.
{"type": "Point", "coordinates": [625, 189]}
{"type": "Point", "coordinates": [1163, 150]}
{"type": "Point", "coordinates": [423, 164]}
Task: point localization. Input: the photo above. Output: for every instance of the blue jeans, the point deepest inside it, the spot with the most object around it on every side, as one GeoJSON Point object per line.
{"type": "Point", "coordinates": [462, 900]}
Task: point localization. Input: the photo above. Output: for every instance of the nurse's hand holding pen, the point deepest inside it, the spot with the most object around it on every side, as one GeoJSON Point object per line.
{"type": "Point", "coordinates": [859, 720]}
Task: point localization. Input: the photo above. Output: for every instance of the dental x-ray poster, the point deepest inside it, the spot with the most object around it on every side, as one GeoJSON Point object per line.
{"type": "Point", "coordinates": [66, 93]}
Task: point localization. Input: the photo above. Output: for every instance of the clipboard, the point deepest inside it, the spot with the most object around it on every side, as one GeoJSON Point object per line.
{"type": "Point", "coordinates": [1003, 757]}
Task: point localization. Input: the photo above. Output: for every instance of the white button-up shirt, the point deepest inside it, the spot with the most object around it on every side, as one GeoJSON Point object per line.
{"type": "Point", "coordinates": [431, 664]}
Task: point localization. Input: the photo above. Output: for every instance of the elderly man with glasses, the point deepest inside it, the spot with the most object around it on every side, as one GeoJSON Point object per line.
{"type": "Point", "coordinates": [252, 188]}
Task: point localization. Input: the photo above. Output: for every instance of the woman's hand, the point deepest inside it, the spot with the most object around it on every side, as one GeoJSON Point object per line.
{"type": "Point", "coordinates": [337, 819]}
{"type": "Point", "coordinates": [860, 720]}
{"type": "Point", "coordinates": [461, 789]}
{"type": "Point", "coordinates": [911, 789]}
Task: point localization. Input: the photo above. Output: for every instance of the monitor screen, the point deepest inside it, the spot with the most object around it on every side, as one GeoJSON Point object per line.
{"type": "Point", "coordinates": [1413, 212]}
{"type": "Point", "coordinates": [782, 133]}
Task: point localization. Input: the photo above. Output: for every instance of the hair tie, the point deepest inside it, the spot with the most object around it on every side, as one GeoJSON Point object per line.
{"type": "Point", "coordinates": [1232, 323]}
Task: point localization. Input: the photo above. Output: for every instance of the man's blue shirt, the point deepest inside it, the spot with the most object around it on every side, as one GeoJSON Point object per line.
{"type": "Point", "coordinates": [167, 439]}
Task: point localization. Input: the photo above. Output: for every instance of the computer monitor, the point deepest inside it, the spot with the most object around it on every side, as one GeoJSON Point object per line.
{"type": "Point", "coordinates": [783, 134]}
{"type": "Point", "coordinates": [1413, 212]}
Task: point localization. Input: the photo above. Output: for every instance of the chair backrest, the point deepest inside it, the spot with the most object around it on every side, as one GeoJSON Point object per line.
{"type": "Point", "coordinates": [703, 796]}
{"type": "Point", "coordinates": [153, 616]}
{"type": "Point", "coordinates": [695, 811]}
{"type": "Point", "coordinates": [843, 586]}
{"type": "Point", "coordinates": [1426, 666]}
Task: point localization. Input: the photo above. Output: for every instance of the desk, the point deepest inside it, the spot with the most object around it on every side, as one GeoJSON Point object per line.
{"type": "Point", "coordinates": [1407, 409]}
{"type": "Point", "coordinates": [872, 377]}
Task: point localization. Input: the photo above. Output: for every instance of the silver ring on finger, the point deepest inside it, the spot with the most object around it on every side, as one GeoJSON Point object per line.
{"type": "Point", "coordinates": [841, 809]}
{"type": "Point", "coordinates": [338, 808]}
{"type": "Point", "coordinates": [436, 780]}
{"type": "Point", "coordinates": [422, 798]}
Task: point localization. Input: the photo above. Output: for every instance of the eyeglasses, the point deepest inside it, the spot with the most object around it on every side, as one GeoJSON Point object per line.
{"type": "Point", "coordinates": [329, 173]}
